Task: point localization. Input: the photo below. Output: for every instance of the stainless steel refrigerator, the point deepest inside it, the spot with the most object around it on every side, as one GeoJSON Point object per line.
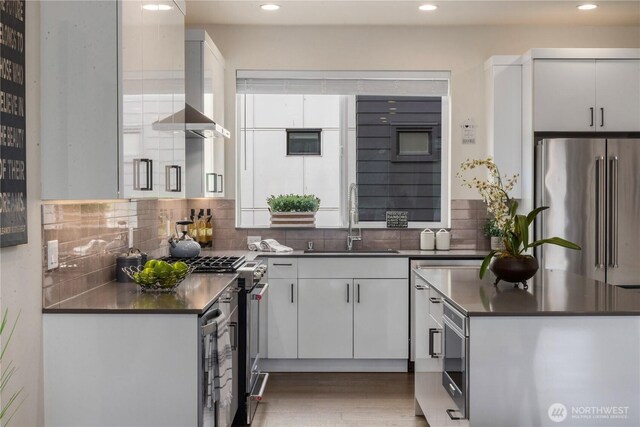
{"type": "Point", "coordinates": [592, 187]}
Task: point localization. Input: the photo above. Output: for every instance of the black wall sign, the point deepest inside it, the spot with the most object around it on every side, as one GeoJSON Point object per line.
{"type": "Point", "coordinates": [397, 219]}
{"type": "Point", "coordinates": [13, 169]}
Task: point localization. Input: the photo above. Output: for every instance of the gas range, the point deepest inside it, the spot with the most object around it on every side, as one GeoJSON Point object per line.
{"type": "Point", "coordinates": [211, 264]}
{"type": "Point", "coordinates": [250, 271]}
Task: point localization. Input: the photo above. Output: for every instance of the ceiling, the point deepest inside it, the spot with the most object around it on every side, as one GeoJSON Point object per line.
{"type": "Point", "coordinates": [405, 12]}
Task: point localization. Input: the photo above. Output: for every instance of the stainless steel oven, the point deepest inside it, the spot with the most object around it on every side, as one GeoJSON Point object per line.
{"type": "Point", "coordinates": [455, 375]}
{"type": "Point", "coordinates": [252, 381]}
{"type": "Point", "coordinates": [211, 415]}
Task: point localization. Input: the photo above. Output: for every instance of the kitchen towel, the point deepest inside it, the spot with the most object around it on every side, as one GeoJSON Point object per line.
{"type": "Point", "coordinates": [222, 370]}
{"type": "Point", "coordinates": [254, 246]}
{"type": "Point", "coordinates": [272, 245]}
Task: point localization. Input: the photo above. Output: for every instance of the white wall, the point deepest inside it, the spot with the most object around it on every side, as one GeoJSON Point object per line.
{"type": "Point", "coordinates": [21, 266]}
{"type": "Point", "coordinates": [462, 50]}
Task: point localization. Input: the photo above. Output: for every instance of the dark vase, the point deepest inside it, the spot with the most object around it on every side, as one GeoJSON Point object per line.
{"type": "Point", "coordinates": [514, 269]}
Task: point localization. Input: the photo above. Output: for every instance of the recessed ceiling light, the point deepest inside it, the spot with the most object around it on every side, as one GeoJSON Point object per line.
{"type": "Point", "coordinates": [428, 7]}
{"type": "Point", "coordinates": [157, 7]}
{"type": "Point", "coordinates": [270, 7]}
{"type": "Point", "coordinates": [588, 6]}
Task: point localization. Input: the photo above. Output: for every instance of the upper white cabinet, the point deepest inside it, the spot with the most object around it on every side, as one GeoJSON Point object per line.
{"type": "Point", "coordinates": [205, 67]}
{"type": "Point", "coordinates": [586, 95]}
{"type": "Point", "coordinates": [618, 95]}
{"type": "Point", "coordinates": [113, 69]}
{"type": "Point", "coordinates": [504, 115]}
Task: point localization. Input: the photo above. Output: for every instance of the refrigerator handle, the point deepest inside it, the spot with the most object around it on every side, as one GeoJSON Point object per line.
{"type": "Point", "coordinates": [613, 211]}
{"type": "Point", "coordinates": [600, 212]}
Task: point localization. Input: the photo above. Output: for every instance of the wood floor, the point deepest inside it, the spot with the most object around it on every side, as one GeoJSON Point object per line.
{"type": "Point", "coordinates": [338, 399]}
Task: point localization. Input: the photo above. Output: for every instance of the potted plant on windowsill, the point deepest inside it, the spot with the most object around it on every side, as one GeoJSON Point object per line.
{"type": "Point", "coordinates": [492, 231]}
{"type": "Point", "coordinates": [513, 263]}
{"type": "Point", "coordinates": [293, 210]}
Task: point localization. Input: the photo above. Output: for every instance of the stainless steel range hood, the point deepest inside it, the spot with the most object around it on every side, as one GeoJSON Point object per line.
{"type": "Point", "coordinates": [192, 121]}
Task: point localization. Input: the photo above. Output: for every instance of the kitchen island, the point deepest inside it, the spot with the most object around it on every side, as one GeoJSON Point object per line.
{"type": "Point", "coordinates": [565, 350]}
{"type": "Point", "coordinates": [121, 357]}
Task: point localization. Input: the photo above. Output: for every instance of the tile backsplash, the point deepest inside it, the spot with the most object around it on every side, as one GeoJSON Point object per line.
{"type": "Point", "coordinates": [92, 234]}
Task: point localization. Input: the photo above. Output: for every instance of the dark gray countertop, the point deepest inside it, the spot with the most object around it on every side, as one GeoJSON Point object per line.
{"type": "Point", "coordinates": [550, 293]}
{"type": "Point", "coordinates": [194, 295]}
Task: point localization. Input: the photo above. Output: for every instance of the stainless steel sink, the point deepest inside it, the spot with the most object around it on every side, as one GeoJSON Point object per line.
{"type": "Point", "coordinates": [354, 252]}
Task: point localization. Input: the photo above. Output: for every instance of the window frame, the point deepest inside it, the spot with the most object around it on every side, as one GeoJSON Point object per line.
{"type": "Point", "coordinates": [348, 145]}
{"type": "Point", "coordinates": [317, 131]}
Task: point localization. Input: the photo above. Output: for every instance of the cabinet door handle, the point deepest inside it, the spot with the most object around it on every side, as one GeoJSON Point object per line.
{"type": "Point", "coordinates": [178, 171]}
{"type": "Point", "coordinates": [292, 293]}
{"type": "Point", "coordinates": [591, 110]}
{"type": "Point", "coordinates": [432, 333]}
{"type": "Point", "coordinates": [347, 293]}
{"type": "Point", "coordinates": [358, 293]}
{"type": "Point", "coordinates": [601, 117]}
{"type": "Point", "coordinates": [453, 417]}
{"type": "Point", "coordinates": [435, 300]}
{"type": "Point", "coordinates": [282, 265]}
{"type": "Point", "coordinates": [234, 334]}
{"type": "Point", "coordinates": [148, 174]}
{"type": "Point", "coordinates": [215, 180]}
{"type": "Point", "coordinates": [221, 190]}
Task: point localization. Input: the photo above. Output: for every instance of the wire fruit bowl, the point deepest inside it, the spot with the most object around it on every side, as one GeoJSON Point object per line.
{"type": "Point", "coordinates": [168, 282]}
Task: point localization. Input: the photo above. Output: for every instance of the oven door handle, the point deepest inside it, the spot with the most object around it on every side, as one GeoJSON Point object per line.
{"type": "Point", "coordinates": [262, 382]}
{"type": "Point", "coordinates": [260, 295]}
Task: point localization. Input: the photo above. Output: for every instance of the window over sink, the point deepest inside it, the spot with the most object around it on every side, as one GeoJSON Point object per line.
{"type": "Point", "coordinates": [316, 132]}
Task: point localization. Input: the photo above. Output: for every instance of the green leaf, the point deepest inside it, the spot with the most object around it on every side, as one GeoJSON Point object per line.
{"type": "Point", "coordinates": [513, 208]}
{"type": "Point", "coordinates": [556, 241]}
{"type": "Point", "coordinates": [486, 262]}
{"type": "Point", "coordinates": [523, 232]}
{"type": "Point", "coordinates": [534, 213]}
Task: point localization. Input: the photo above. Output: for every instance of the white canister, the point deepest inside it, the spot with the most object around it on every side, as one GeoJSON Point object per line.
{"type": "Point", "coordinates": [427, 240]}
{"type": "Point", "coordinates": [443, 240]}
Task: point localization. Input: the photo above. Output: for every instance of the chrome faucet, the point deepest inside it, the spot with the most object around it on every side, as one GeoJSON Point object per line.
{"type": "Point", "coordinates": [353, 217]}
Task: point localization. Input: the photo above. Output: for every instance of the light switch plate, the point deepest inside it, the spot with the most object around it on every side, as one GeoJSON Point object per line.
{"type": "Point", "coordinates": [52, 254]}
{"type": "Point", "coordinates": [253, 239]}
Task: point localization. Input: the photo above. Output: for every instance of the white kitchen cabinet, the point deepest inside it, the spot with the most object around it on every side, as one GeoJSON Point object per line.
{"type": "Point", "coordinates": [586, 95]}
{"type": "Point", "coordinates": [282, 319]}
{"type": "Point", "coordinates": [504, 115]}
{"type": "Point", "coordinates": [381, 319]}
{"type": "Point", "coordinates": [113, 69]}
{"type": "Point", "coordinates": [205, 92]}
{"type": "Point", "coordinates": [325, 318]}
{"type": "Point", "coordinates": [618, 95]}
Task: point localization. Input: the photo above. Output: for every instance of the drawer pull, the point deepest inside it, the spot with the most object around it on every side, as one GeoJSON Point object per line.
{"type": "Point", "coordinates": [435, 300]}
{"type": "Point", "coordinates": [453, 417]}
{"type": "Point", "coordinates": [282, 265]}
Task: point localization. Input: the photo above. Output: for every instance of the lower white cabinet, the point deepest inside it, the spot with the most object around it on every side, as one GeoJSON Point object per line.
{"type": "Point", "coordinates": [282, 319]}
{"type": "Point", "coordinates": [381, 319]}
{"type": "Point", "coordinates": [325, 319]}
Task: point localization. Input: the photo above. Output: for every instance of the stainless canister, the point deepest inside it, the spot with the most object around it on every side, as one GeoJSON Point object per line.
{"type": "Point", "coordinates": [132, 258]}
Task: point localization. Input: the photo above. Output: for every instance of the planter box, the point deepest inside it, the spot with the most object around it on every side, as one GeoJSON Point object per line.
{"type": "Point", "coordinates": [293, 219]}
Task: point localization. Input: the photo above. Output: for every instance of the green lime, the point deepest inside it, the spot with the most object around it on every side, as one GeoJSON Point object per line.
{"type": "Point", "coordinates": [180, 266]}
{"type": "Point", "coordinates": [151, 263]}
{"type": "Point", "coordinates": [162, 270]}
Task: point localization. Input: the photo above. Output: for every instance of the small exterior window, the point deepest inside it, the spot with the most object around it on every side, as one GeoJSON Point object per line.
{"type": "Point", "coordinates": [413, 143]}
{"type": "Point", "coordinates": [304, 142]}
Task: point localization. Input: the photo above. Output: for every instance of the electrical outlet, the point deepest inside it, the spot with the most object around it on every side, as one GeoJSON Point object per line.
{"type": "Point", "coordinates": [52, 254]}
{"type": "Point", "coordinates": [253, 239]}
{"type": "Point", "coordinates": [130, 237]}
